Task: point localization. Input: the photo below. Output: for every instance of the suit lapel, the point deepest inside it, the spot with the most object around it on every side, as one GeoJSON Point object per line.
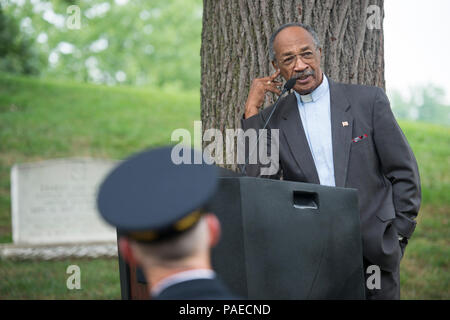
{"type": "Point", "coordinates": [341, 132]}
{"type": "Point", "coordinates": [298, 144]}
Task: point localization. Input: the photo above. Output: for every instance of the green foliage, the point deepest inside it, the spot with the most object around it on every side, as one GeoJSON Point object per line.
{"type": "Point", "coordinates": [17, 51]}
{"type": "Point", "coordinates": [48, 119]}
{"type": "Point", "coordinates": [142, 42]}
{"type": "Point", "coordinates": [424, 104]}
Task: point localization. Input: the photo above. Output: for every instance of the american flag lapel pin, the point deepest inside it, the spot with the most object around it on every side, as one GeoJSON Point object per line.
{"type": "Point", "coordinates": [344, 123]}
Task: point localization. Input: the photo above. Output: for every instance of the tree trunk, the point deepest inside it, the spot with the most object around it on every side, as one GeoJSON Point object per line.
{"type": "Point", "coordinates": [235, 38]}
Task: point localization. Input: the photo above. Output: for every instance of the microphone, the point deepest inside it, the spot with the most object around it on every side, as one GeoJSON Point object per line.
{"type": "Point", "coordinates": [287, 86]}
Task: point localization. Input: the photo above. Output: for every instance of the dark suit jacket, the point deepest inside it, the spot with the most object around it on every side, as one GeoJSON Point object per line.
{"type": "Point", "coordinates": [199, 289]}
{"type": "Point", "coordinates": [382, 166]}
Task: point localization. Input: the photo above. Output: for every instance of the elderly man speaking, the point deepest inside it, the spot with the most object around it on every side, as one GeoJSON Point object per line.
{"type": "Point", "coordinates": [341, 135]}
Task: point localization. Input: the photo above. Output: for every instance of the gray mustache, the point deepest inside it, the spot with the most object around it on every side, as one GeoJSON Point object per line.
{"type": "Point", "coordinates": [303, 74]}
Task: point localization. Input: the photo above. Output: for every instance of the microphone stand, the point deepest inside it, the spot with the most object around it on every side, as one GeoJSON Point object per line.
{"type": "Point", "coordinates": [287, 86]}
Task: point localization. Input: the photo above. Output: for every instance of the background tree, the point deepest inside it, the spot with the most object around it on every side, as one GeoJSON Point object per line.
{"type": "Point", "coordinates": [424, 103]}
{"type": "Point", "coordinates": [138, 42]}
{"type": "Point", "coordinates": [235, 39]}
{"type": "Point", "coordinates": [17, 51]}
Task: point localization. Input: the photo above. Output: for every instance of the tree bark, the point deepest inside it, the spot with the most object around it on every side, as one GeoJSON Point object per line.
{"type": "Point", "coordinates": [235, 42]}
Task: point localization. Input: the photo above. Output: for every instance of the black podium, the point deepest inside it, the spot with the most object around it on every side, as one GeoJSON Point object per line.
{"type": "Point", "coordinates": [281, 240]}
{"type": "Point", "coordinates": [288, 240]}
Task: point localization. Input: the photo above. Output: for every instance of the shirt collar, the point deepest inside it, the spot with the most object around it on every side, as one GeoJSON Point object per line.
{"type": "Point", "coordinates": [181, 277]}
{"type": "Point", "coordinates": [316, 94]}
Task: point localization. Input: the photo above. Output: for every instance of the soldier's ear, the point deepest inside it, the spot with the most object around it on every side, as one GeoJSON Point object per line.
{"type": "Point", "coordinates": [126, 251]}
{"type": "Point", "coordinates": [213, 229]}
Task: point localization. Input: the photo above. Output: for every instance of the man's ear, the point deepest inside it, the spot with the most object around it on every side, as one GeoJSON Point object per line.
{"type": "Point", "coordinates": [213, 228]}
{"type": "Point", "coordinates": [126, 251]}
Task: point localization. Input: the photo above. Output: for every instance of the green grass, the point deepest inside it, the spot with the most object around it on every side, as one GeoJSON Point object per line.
{"type": "Point", "coordinates": [425, 269]}
{"type": "Point", "coordinates": [431, 146]}
{"type": "Point", "coordinates": [44, 119]}
{"type": "Point", "coordinates": [99, 279]}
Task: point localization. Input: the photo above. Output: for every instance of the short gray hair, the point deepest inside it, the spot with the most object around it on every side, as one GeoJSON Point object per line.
{"type": "Point", "coordinates": [311, 31]}
{"type": "Point", "coordinates": [169, 252]}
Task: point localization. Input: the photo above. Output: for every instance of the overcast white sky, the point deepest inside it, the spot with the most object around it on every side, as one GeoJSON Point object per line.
{"type": "Point", "coordinates": [417, 44]}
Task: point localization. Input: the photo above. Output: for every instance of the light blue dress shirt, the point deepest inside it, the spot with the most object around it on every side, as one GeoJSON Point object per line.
{"type": "Point", "coordinates": [314, 109]}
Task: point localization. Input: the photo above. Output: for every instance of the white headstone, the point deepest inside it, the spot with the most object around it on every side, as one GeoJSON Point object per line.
{"type": "Point", "coordinates": [54, 202]}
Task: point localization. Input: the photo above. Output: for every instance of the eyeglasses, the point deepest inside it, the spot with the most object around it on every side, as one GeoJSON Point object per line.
{"type": "Point", "coordinates": [306, 57]}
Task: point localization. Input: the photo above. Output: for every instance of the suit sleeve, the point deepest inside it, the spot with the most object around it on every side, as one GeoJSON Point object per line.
{"type": "Point", "coordinates": [256, 123]}
{"type": "Point", "coordinates": [398, 164]}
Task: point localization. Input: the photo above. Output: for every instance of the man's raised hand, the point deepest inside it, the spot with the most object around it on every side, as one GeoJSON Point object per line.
{"type": "Point", "coordinates": [258, 90]}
